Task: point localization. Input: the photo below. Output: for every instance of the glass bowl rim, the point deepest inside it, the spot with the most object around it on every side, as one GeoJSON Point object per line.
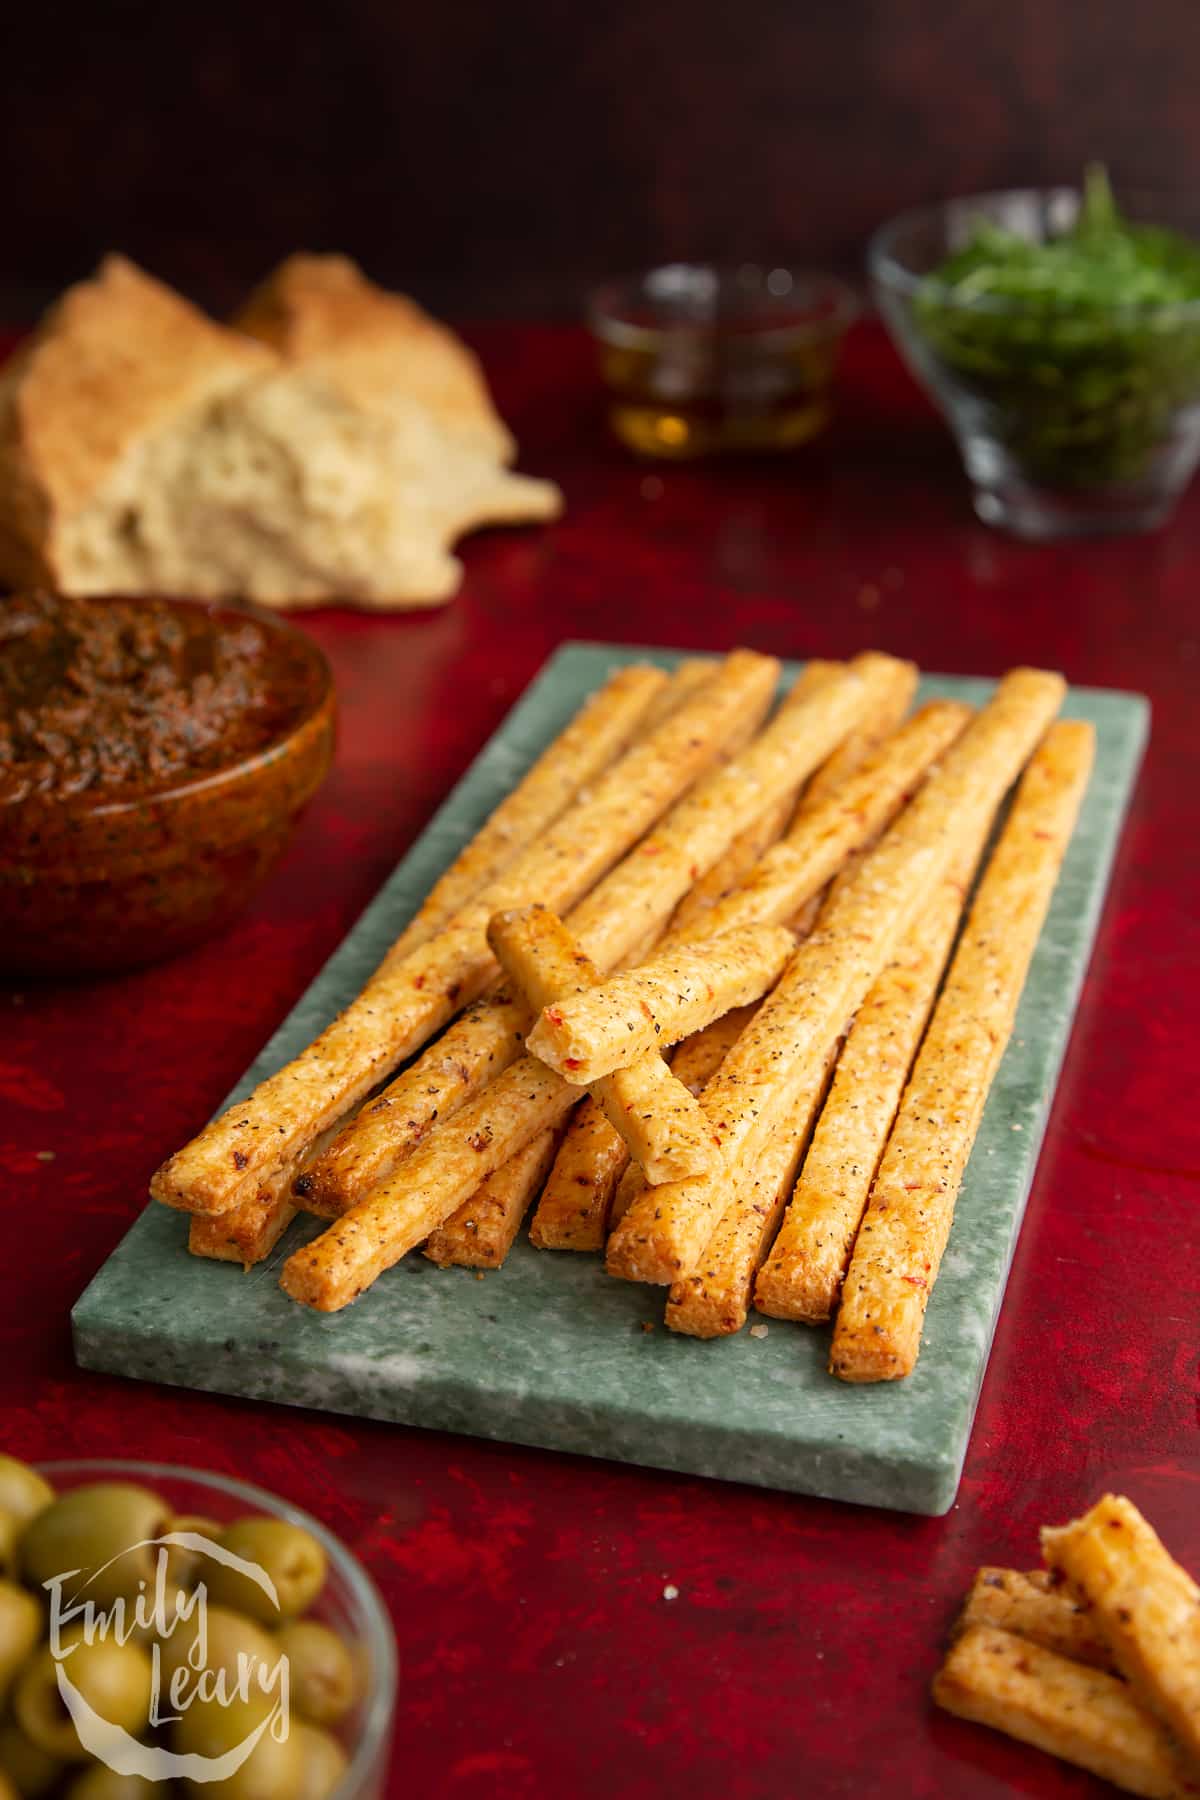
{"type": "Point", "coordinates": [888, 272]}
{"type": "Point", "coordinates": [185, 786]}
{"type": "Point", "coordinates": [606, 324]}
{"type": "Point", "coordinates": [380, 1702]}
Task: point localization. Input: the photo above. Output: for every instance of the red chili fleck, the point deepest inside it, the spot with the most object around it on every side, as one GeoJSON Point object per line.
{"type": "Point", "coordinates": [572, 1062]}
{"type": "Point", "coordinates": [915, 1280]}
{"type": "Point", "coordinates": [553, 1016]}
{"type": "Point", "coordinates": [418, 981]}
{"type": "Point", "coordinates": [1047, 837]}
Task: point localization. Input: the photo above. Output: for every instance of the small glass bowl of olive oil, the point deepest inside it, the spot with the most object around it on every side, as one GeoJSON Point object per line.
{"type": "Point", "coordinates": [701, 360]}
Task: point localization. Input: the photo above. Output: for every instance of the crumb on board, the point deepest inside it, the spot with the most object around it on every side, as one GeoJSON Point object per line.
{"type": "Point", "coordinates": [759, 1331]}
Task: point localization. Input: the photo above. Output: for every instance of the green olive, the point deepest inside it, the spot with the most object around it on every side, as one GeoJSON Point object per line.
{"type": "Point", "coordinates": [95, 1528]}
{"type": "Point", "coordinates": [23, 1492]}
{"type": "Point", "coordinates": [21, 1629]}
{"type": "Point", "coordinates": [31, 1769]}
{"type": "Point", "coordinates": [322, 1761]}
{"type": "Point", "coordinates": [10, 1536]}
{"type": "Point", "coordinates": [227, 1635]}
{"type": "Point", "coordinates": [113, 1678]}
{"type": "Point", "coordinates": [272, 1771]}
{"type": "Point", "coordinates": [184, 1567]}
{"type": "Point", "coordinates": [321, 1672]}
{"type": "Point", "coordinates": [291, 1557]}
{"type": "Point", "coordinates": [99, 1783]}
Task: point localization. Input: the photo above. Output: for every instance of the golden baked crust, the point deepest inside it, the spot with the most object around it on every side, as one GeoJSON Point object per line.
{"type": "Point", "coordinates": [380, 349]}
{"type": "Point", "coordinates": [117, 358]}
{"type": "Point", "coordinates": [336, 452]}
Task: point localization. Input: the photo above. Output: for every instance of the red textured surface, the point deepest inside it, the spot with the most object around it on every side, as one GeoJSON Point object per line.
{"type": "Point", "coordinates": [539, 1655]}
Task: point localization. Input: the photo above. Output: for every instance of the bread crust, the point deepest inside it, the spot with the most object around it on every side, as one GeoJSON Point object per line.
{"type": "Point", "coordinates": [117, 358]}
{"type": "Point", "coordinates": [334, 448]}
{"type": "Point", "coordinates": [380, 349]}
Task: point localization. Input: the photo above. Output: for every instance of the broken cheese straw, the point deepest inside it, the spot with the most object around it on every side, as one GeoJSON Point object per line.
{"type": "Point", "coordinates": [602, 730]}
{"type": "Point", "coordinates": [449, 1165]}
{"type": "Point", "coordinates": [589, 1171]}
{"type": "Point", "coordinates": [633, 901]}
{"type": "Point", "coordinates": [1082, 1715]}
{"type": "Point", "coordinates": [537, 956]}
{"type": "Point", "coordinates": [1145, 1604]}
{"type": "Point", "coordinates": [402, 1006]}
{"type": "Point", "coordinates": [677, 992]}
{"type": "Point", "coordinates": [663, 1234]}
{"type": "Point", "coordinates": [899, 1247]}
{"type": "Point", "coordinates": [1027, 1605]}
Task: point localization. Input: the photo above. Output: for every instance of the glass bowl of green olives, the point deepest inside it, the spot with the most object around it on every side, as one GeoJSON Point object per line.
{"type": "Point", "coordinates": [165, 1632]}
{"type": "Point", "coordinates": [1060, 336]}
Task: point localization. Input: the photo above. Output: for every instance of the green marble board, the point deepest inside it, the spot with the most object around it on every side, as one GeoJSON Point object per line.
{"type": "Point", "coordinates": [549, 1350]}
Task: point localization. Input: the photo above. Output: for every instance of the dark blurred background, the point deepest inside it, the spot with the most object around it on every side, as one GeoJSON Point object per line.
{"type": "Point", "coordinates": [494, 155]}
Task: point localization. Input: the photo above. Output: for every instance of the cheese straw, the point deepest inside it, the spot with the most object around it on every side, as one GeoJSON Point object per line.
{"type": "Point", "coordinates": [404, 1004]}
{"type": "Point", "coordinates": [481, 1233]}
{"type": "Point", "coordinates": [677, 992]}
{"type": "Point", "coordinates": [731, 869]}
{"type": "Point", "coordinates": [808, 1259]}
{"type": "Point", "coordinates": [630, 906]}
{"type": "Point", "coordinates": [714, 1300]}
{"type": "Point", "coordinates": [572, 1213]}
{"type": "Point", "coordinates": [1083, 1715]}
{"type": "Point", "coordinates": [602, 730]}
{"type": "Point", "coordinates": [1030, 1606]}
{"type": "Point", "coordinates": [543, 960]}
{"type": "Point", "coordinates": [664, 1233]}
{"type": "Point", "coordinates": [899, 1247]}
{"type": "Point", "coordinates": [1144, 1603]}
{"type": "Point", "coordinates": [584, 1187]}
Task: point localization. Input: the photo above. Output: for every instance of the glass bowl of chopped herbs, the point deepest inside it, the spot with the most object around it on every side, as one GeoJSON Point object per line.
{"type": "Point", "coordinates": [1060, 335]}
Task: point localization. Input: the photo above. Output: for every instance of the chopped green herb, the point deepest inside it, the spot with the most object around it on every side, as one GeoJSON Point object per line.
{"type": "Point", "coordinates": [1082, 347]}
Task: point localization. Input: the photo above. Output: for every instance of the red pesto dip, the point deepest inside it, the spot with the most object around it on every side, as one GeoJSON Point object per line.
{"type": "Point", "coordinates": [116, 698]}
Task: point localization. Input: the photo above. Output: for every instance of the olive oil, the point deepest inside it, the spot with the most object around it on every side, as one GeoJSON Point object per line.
{"type": "Point", "coordinates": [697, 393]}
